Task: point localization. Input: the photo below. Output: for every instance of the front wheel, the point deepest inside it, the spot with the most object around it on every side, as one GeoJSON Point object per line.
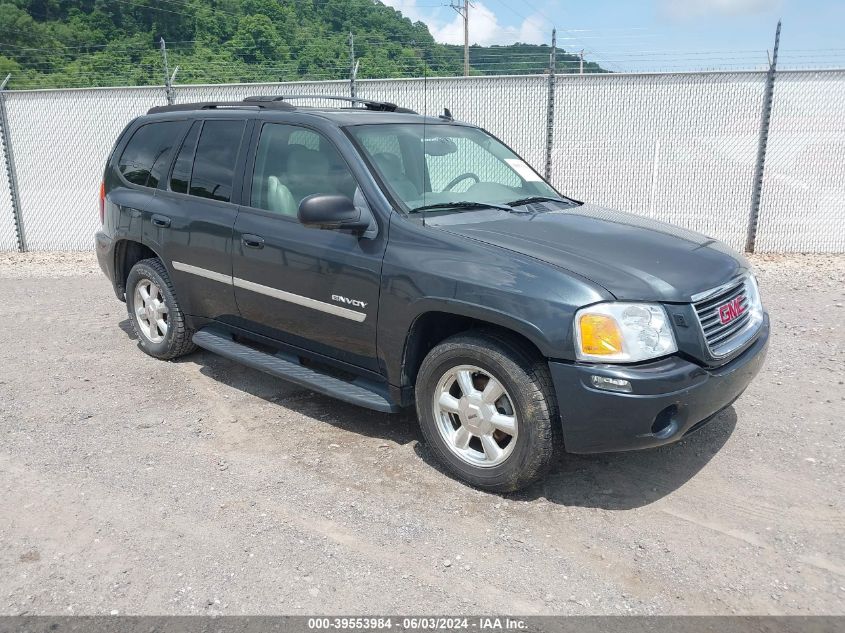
{"type": "Point", "coordinates": [488, 411]}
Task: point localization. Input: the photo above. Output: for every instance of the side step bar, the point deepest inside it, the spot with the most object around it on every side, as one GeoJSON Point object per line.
{"type": "Point", "coordinates": [358, 392]}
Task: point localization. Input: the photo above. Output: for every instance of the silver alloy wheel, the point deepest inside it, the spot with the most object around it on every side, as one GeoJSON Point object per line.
{"type": "Point", "coordinates": [475, 416]}
{"type": "Point", "coordinates": [151, 311]}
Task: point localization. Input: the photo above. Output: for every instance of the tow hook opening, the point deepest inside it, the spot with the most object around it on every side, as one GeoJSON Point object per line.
{"type": "Point", "coordinates": [665, 423]}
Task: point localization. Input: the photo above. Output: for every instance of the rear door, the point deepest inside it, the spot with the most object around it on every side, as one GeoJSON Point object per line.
{"type": "Point", "coordinates": [194, 224]}
{"type": "Point", "coordinates": [136, 173]}
{"type": "Point", "coordinates": [316, 289]}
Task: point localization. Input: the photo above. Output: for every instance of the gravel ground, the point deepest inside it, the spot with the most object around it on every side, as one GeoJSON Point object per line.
{"type": "Point", "coordinates": [137, 486]}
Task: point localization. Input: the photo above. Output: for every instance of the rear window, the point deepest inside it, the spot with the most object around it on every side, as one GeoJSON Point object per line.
{"type": "Point", "coordinates": [214, 162]}
{"type": "Point", "coordinates": [147, 155]}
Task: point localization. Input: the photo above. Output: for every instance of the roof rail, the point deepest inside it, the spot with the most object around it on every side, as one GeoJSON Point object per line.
{"type": "Point", "coordinates": [221, 105]}
{"type": "Point", "coordinates": [369, 104]}
{"type": "Point", "coordinates": [276, 102]}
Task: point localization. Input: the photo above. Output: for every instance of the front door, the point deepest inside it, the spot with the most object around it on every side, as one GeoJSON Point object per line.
{"type": "Point", "coordinates": [315, 289]}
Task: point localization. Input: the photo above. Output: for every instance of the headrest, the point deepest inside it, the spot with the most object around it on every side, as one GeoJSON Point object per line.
{"type": "Point", "coordinates": [304, 161]}
{"type": "Point", "coordinates": [388, 164]}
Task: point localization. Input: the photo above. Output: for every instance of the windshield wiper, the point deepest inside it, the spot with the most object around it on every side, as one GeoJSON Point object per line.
{"type": "Point", "coordinates": [532, 199]}
{"type": "Point", "coordinates": [465, 205]}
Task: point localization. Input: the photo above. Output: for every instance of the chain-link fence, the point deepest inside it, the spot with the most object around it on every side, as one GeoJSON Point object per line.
{"type": "Point", "coordinates": [61, 139]}
{"type": "Point", "coordinates": [677, 147]}
{"type": "Point", "coordinates": [236, 92]}
{"type": "Point", "coordinates": [803, 202]}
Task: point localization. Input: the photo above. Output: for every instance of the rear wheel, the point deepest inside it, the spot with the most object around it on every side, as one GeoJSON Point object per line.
{"type": "Point", "coordinates": [154, 312]}
{"type": "Point", "coordinates": [488, 411]}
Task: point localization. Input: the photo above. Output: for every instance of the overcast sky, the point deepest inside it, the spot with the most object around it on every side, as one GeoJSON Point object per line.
{"type": "Point", "coordinates": [632, 34]}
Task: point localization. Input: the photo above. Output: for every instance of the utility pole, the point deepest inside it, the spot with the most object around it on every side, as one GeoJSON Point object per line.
{"type": "Point", "coordinates": [168, 87]}
{"type": "Point", "coordinates": [581, 63]}
{"type": "Point", "coordinates": [550, 111]}
{"type": "Point", "coordinates": [762, 141]}
{"type": "Point", "coordinates": [462, 7]}
{"type": "Point", "coordinates": [353, 65]}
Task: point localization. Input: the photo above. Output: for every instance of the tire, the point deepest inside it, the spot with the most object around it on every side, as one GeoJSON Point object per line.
{"type": "Point", "coordinates": [525, 455]}
{"type": "Point", "coordinates": [176, 341]}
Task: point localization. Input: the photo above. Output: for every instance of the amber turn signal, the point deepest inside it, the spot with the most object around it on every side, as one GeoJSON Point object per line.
{"type": "Point", "coordinates": [600, 335]}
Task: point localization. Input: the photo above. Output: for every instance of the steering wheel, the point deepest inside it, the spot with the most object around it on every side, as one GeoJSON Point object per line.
{"type": "Point", "coordinates": [460, 178]}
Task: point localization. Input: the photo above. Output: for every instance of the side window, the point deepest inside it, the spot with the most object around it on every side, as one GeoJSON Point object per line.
{"type": "Point", "coordinates": [292, 163]}
{"type": "Point", "coordinates": [306, 138]}
{"type": "Point", "coordinates": [147, 155]}
{"type": "Point", "coordinates": [214, 162]}
{"type": "Point", "coordinates": [181, 175]}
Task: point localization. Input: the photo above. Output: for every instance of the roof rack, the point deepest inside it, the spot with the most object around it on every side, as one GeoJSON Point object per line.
{"type": "Point", "coordinates": [278, 102]}
{"type": "Point", "coordinates": [220, 105]}
{"type": "Point", "coordinates": [369, 104]}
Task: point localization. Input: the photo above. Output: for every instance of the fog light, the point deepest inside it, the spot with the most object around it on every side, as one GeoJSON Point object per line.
{"type": "Point", "coordinates": [611, 384]}
{"type": "Point", "coordinates": [665, 423]}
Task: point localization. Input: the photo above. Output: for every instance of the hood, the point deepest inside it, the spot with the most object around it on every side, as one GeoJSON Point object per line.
{"type": "Point", "coordinates": [633, 257]}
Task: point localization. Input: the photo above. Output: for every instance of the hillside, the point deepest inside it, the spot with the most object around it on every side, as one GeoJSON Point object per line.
{"type": "Point", "coordinates": [59, 43]}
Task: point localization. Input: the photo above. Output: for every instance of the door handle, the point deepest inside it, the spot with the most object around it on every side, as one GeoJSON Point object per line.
{"type": "Point", "coordinates": [161, 220]}
{"type": "Point", "coordinates": [252, 241]}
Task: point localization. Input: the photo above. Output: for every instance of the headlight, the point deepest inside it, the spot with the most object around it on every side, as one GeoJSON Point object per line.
{"type": "Point", "coordinates": [623, 332]}
{"type": "Point", "coordinates": [755, 303]}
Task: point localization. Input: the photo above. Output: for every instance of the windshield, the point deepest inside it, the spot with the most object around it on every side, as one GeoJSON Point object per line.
{"type": "Point", "coordinates": [439, 164]}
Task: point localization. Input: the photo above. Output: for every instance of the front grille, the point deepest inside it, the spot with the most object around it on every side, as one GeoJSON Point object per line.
{"type": "Point", "coordinates": [739, 301]}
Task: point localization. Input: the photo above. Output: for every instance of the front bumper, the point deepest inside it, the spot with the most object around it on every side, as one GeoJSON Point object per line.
{"type": "Point", "coordinates": [669, 397]}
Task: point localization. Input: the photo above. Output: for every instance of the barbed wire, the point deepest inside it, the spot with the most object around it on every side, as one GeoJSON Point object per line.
{"type": "Point", "coordinates": [749, 54]}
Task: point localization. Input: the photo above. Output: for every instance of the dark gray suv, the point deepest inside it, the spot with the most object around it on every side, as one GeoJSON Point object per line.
{"type": "Point", "coordinates": [389, 260]}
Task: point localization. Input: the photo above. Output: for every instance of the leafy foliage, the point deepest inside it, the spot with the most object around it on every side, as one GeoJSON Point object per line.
{"type": "Point", "coordinates": [64, 43]}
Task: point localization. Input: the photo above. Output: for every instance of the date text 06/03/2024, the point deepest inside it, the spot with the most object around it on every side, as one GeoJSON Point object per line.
{"type": "Point", "coordinates": [491, 623]}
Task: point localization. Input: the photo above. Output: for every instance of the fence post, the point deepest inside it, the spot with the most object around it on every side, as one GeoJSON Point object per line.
{"type": "Point", "coordinates": [353, 66]}
{"type": "Point", "coordinates": [550, 110]}
{"type": "Point", "coordinates": [760, 163]}
{"type": "Point", "coordinates": [11, 174]}
{"type": "Point", "coordinates": [168, 88]}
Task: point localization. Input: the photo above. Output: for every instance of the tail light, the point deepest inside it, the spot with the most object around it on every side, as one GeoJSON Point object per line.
{"type": "Point", "coordinates": [102, 202]}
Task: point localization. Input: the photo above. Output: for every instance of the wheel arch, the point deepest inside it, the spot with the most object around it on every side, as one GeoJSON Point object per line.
{"type": "Point", "coordinates": [127, 253]}
{"type": "Point", "coordinates": [431, 327]}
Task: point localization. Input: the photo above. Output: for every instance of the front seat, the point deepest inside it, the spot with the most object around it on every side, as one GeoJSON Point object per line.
{"type": "Point", "coordinates": [307, 173]}
{"type": "Point", "coordinates": [390, 166]}
{"type": "Point", "coordinates": [279, 198]}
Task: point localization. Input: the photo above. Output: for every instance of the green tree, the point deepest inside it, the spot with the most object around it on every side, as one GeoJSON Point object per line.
{"type": "Point", "coordinates": [76, 43]}
{"type": "Point", "coordinates": [257, 41]}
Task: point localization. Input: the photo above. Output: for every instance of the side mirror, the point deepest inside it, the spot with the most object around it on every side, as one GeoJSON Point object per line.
{"type": "Point", "coordinates": [322, 211]}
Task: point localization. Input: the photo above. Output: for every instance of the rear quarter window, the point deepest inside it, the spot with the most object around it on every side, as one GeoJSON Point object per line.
{"type": "Point", "coordinates": [146, 157]}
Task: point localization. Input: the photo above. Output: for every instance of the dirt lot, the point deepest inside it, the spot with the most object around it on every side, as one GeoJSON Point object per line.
{"type": "Point", "coordinates": [136, 486]}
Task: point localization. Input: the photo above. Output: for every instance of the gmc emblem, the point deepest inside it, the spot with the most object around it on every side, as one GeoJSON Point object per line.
{"type": "Point", "coordinates": [731, 310]}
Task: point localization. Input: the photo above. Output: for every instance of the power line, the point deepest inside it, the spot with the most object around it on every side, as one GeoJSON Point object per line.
{"type": "Point", "coordinates": [481, 56]}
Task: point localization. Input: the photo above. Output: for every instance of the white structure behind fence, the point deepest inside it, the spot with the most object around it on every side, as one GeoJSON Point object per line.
{"type": "Point", "coordinates": [803, 206]}
{"type": "Point", "coordinates": [676, 147]}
